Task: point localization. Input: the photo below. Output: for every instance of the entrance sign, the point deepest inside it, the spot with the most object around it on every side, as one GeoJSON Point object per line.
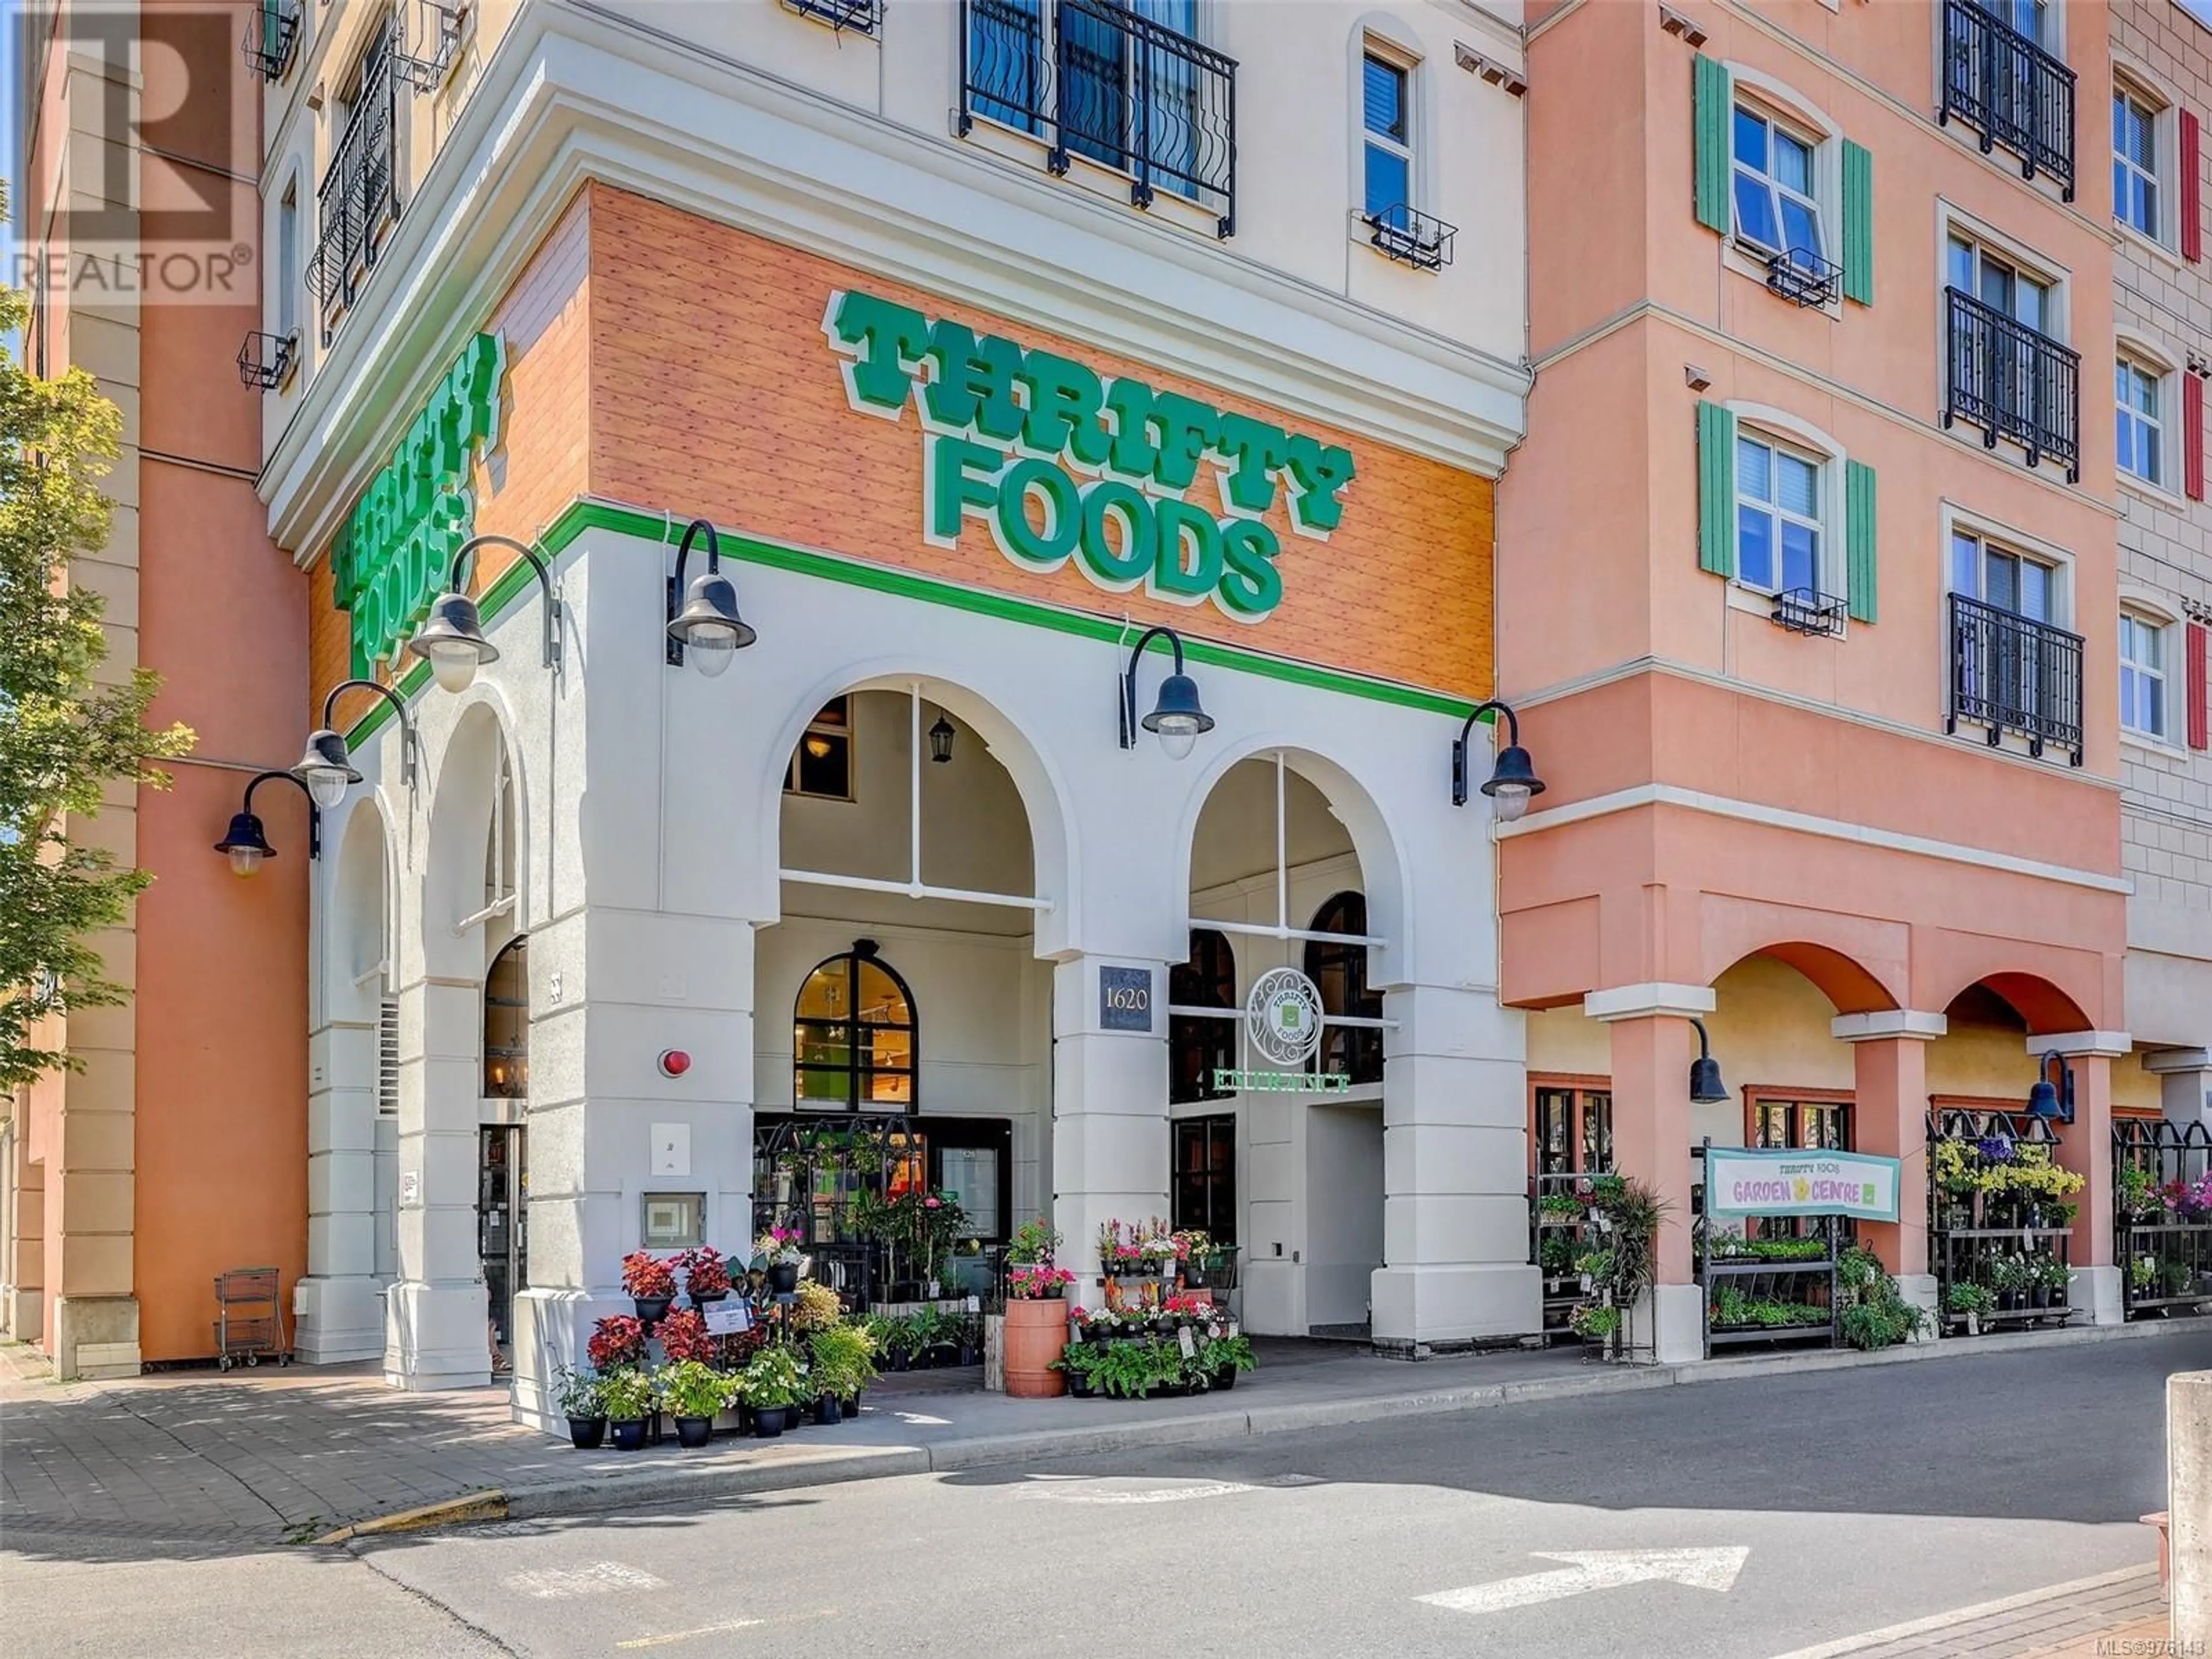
{"type": "Point", "coordinates": [1125, 999]}
{"type": "Point", "coordinates": [392, 556]}
{"type": "Point", "coordinates": [1282, 1017]}
{"type": "Point", "coordinates": [1284, 1082]}
{"type": "Point", "coordinates": [1739, 1181]}
{"type": "Point", "coordinates": [1061, 462]}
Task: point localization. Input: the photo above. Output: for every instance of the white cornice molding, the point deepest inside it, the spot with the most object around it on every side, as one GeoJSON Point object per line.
{"type": "Point", "coordinates": [1652, 998]}
{"type": "Point", "coordinates": [2166, 1061]}
{"type": "Point", "coordinates": [2110, 1045]}
{"type": "Point", "coordinates": [1776, 818]}
{"type": "Point", "coordinates": [571, 96]}
{"type": "Point", "coordinates": [1907, 1022]}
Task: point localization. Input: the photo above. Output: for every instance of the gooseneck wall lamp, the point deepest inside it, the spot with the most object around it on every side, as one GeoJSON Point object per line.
{"type": "Point", "coordinates": [248, 846]}
{"type": "Point", "coordinates": [1512, 778]}
{"type": "Point", "coordinates": [1706, 1086]}
{"type": "Point", "coordinates": [1178, 720]}
{"type": "Point", "coordinates": [2047, 1100]}
{"type": "Point", "coordinates": [708, 628]}
{"type": "Point", "coordinates": [325, 767]}
{"type": "Point", "coordinates": [451, 638]}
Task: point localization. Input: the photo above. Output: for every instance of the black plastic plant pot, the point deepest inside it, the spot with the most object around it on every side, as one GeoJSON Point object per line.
{"type": "Point", "coordinates": [970, 1354]}
{"type": "Point", "coordinates": [694, 1433]}
{"type": "Point", "coordinates": [828, 1410]}
{"type": "Point", "coordinates": [851, 1405]}
{"type": "Point", "coordinates": [783, 1277]}
{"type": "Point", "coordinates": [587, 1433]}
{"type": "Point", "coordinates": [651, 1310]}
{"type": "Point", "coordinates": [1078, 1386]}
{"type": "Point", "coordinates": [1224, 1377]}
{"type": "Point", "coordinates": [707, 1298]}
{"type": "Point", "coordinates": [628, 1434]}
{"type": "Point", "coordinates": [769, 1421]}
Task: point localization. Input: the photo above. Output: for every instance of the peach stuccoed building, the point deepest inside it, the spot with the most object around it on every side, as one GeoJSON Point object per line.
{"type": "Point", "coordinates": [1808, 599]}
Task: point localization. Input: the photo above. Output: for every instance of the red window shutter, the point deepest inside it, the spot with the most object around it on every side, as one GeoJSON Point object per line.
{"type": "Point", "coordinates": [2192, 208]}
{"type": "Point", "coordinates": [2192, 436]}
{"type": "Point", "coordinates": [2200, 701]}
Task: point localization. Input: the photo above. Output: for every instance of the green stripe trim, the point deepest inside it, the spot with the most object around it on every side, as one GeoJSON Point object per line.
{"type": "Point", "coordinates": [585, 514]}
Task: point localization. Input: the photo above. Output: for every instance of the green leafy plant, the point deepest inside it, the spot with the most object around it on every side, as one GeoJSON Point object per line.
{"type": "Point", "coordinates": [1594, 1322]}
{"type": "Point", "coordinates": [1875, 1314]}
{"type": "Point", "coordinates": [1033, 1244]}
{"type": "Point", "coordinates": [1966, 1299]}
{"type": "Point", "coordinates": [773, 1378]}
{"type": "Point", "coordinates": [1234, 1351]}
{"type": "Point", "coordinates": [1555, 1256]}
{"type": "Point", "coordinates": [843, 1360]}
{"type": "Point", "coordinates": [2050, 1273]}
{"type": "Point", "coordinates": [630, 1394]}
{"type": "Point", "coordinates": [579, 1394]}
{"type": "Point", "coordinates": [2143, 1272]}
{"type": "Point", "coordinates": [1559, 1206]}
{"type": "Point", "coordinates": [692, 1388]}
{"type": "Point", "coordinates": [2136, 1192]}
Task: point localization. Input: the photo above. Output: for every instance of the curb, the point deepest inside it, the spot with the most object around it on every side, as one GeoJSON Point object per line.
{"type": "Point", "coordinates": [550, 1500]}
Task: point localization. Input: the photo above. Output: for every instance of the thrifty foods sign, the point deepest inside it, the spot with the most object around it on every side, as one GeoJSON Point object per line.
{"type": "Point", "coordinates": [1061, 462]}
{"type": "Point", "coordinates": [392, 556]}
{"type": "Point", "coordinates": [1739, 1182]}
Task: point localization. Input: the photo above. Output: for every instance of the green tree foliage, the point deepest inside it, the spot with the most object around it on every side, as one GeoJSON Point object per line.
{"type": "Point", "coordinates": [64, 737]}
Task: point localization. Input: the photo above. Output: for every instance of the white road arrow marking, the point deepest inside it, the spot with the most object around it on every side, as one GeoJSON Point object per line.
{"type": "Point", "coordinates": [1596, 1570]}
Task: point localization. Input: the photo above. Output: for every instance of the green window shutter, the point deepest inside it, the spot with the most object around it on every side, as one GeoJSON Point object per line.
{"type": "Point", "coordinates": [1858, 223]}
{"type": "Point", "coordinates": [1715, 112]}
{"type": "Point", "coordinates": [1716, 490]}
{"type": "Point", "coordinates": [1859, 539]}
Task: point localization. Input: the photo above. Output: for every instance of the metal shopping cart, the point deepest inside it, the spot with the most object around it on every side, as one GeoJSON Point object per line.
{"type": "Point", "coordinates": [249, 1321]}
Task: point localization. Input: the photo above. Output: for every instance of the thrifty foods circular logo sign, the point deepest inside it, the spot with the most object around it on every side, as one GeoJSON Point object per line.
{"type": "Point", "coordinates": [1282, 1017]}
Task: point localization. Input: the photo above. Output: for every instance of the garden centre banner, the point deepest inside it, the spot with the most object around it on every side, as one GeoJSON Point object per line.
{"type": "Point", "coordinates": [1741, 1181]}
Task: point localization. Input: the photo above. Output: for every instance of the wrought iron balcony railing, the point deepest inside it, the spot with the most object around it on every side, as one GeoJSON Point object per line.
{"type": "Point", "coordinates": [1095, 79]}
{"type": "Point", "coordinates": [359, 194]}
{"type": "Point", "coordinates": [2011, 382]}
{"type": "Point", "coordinates": [1418, 239]}
{"type": "Point", "coordinates": [2009, 89]}
{"type": "Point", "coordinates": [1804, 276]}
{"type": "Point", "coordinates": [270, 36]}
{"type": "Point", "coordinates": [2012, 673]}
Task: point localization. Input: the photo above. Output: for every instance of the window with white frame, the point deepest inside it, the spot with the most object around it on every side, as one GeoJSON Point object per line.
{"type": "Point", "coordinates": [2140, 413]}
{"type": "Point", "coordinates": [1779, 537]}
{"type": "Point", "coordinates": [2142, 674]}
{"type": "Point", "coordinates": [2135, 161]}
{"type": "Point", "coordinates": [2003, 577]}
{"type": "Point", "coordinates": [1386, 85]}
{"type": "Point", "coordinates": [1775, 205]}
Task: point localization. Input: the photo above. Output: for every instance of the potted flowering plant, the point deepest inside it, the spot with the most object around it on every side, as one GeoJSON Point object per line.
{"type": "Point", "coordinates": [684, 1336]}
{"type": "Point", "coordinates": [630, 1399]}
{"type": "Point", "coordinates": [617, 1339]}
{"type": "Point", "coordinates": [777, 1252]}
{"type": "Point", "coordinates": [2052, 1279]}
{"type": "Point", "coordinates": [772, 1384]}
{"type": "Point", "coordinates": [695, 1391]}
{"type": "Point", "coordinates": [706, 1275]}
{"type": "Point", "coordinates": [651, 1283]}
{"type": "Point", "coordinates": [1037, 1313]}
{"type": "Point", "coordinates": [581, 1401]}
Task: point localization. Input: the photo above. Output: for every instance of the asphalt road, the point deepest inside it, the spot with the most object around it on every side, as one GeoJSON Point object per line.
{"type": "Point", "coordinates": [1808, 1508]}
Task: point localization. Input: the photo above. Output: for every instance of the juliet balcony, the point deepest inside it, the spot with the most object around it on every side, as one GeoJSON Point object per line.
{"type": "Point", "coordinates": [2009, 90]}
{"type": "Point", "coordinates": [2013, 673]}
{"type": "Point", "coordinates": [2011, 381]}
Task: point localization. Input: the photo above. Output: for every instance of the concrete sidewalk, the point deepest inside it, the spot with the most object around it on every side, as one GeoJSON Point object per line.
{"type": "Point", "coordinates": [200, 1460]}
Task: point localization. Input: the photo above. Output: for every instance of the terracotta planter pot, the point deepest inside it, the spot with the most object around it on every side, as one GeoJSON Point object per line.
{"type": "Point", "coordinates": [1037, 1333]}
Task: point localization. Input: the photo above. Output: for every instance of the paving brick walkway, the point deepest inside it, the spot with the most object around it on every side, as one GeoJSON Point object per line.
{"type": "Point", "coordinates": [2117, 1615]}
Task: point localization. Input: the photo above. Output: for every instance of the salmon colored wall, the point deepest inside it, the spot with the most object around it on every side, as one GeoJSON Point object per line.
{"type": "Point", "coordinates": [223, 963]}
{"type": "Point", "coordinates": [714, 393]}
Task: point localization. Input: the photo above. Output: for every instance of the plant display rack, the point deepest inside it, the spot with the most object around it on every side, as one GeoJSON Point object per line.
{"type": "Point", "coordinates": [1972, 1234]}
{"type": "Point", "coordinates": [2162, 1213]}
{"type": "Point", "coordinates": [1555, 1240]}
{"type": "Point", "coordinates": [1768, 1275]}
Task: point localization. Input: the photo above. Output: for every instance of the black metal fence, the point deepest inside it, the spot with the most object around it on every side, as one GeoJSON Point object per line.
{"type": "Point", "coordinates": [2162, 1214]}
{"type": "Point", "coordinates": [2011, 381]}
{"type": "Point", "coordinates": [359, 194]}
{"type": "Point", "coordinates": [2000, 1241]}
{"type": "Point", "coordinates": [2012, 673]}
{"type": "Point", "coordinates": [1095, 79]}
{"type": "Point", "coordinates": [2009, 89]}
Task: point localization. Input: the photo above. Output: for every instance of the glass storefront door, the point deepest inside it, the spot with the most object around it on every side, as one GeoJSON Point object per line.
{"type": "Point", "coordinates": [502, 1203]}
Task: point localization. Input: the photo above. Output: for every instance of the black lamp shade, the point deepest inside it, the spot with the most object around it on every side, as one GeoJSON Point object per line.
{"type": "Point", "coordinates": [1513, 769]}
{"type": "Point", "coordinates": [2043, 1099]}
{"type": "Point", "coordinates": [327, 768]}
{"type": "Point", "coordinates": [709, 623]}
{"type": "Point", "coordinates": [246, 844]}
{"type": "Point", "coordinates": [1178, 709]}
{"type": "Point", "coordinates": [940, 740]}
{"type": "Point", "coordinates": [1706, 1086]}
{"type": "Point", "coordinates": [451, 641]}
